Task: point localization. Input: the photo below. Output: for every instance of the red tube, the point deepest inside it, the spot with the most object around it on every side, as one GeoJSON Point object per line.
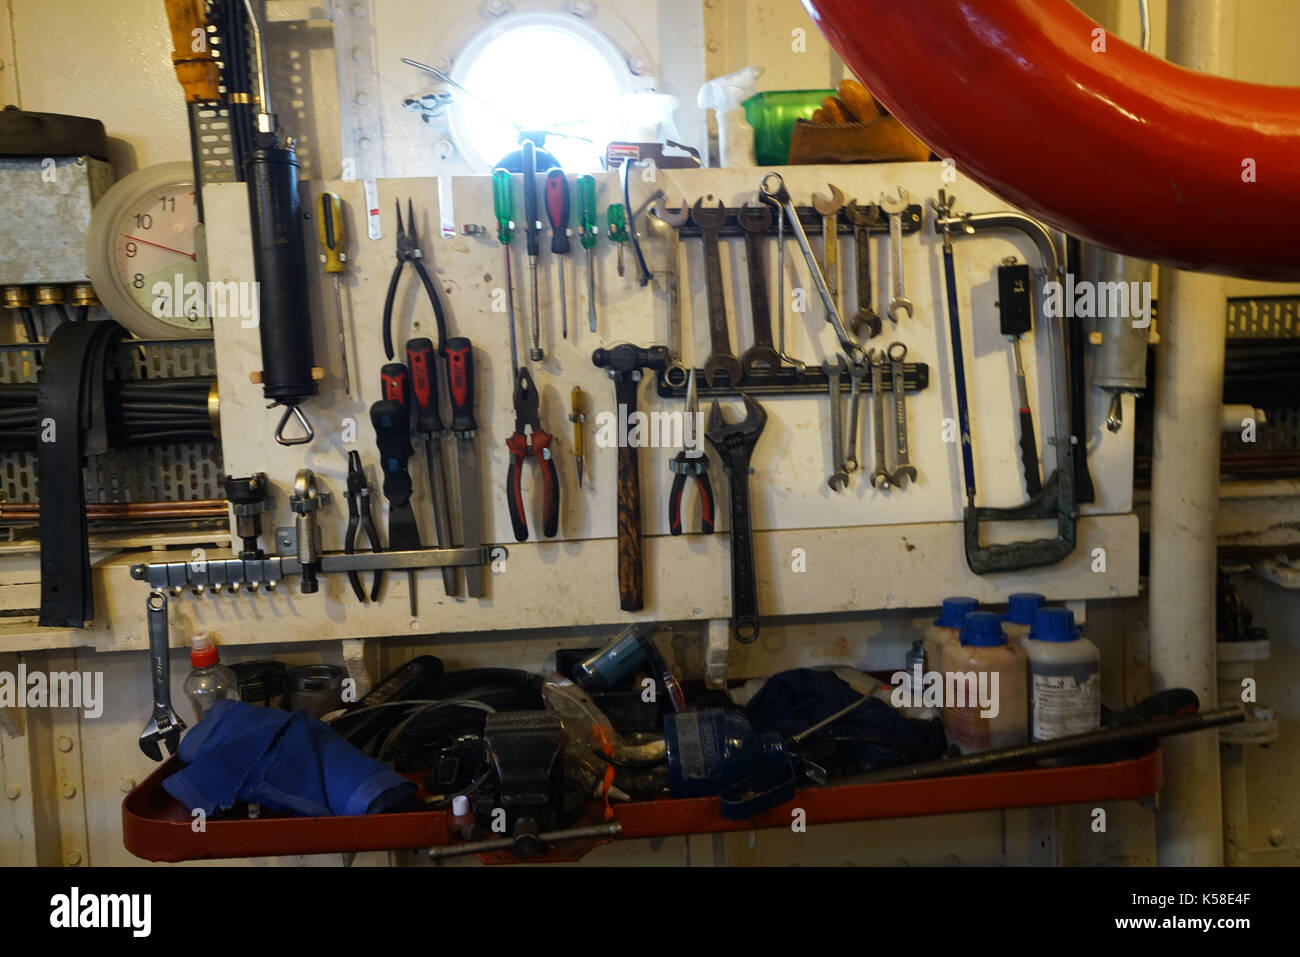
{"type": "Point", "coordinates": [1118, 147]}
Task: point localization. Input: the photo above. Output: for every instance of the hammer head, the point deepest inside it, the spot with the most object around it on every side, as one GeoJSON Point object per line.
{"type": "Point", "coordinates": [625, 357]}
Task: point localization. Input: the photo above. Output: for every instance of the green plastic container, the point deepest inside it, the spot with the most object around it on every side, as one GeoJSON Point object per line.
{"type": "Point", "coordinates": [772, 116]}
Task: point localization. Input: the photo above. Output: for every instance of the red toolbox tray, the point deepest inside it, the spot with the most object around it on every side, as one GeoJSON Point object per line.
{"type": "Point", "coordinates": [157, 828]}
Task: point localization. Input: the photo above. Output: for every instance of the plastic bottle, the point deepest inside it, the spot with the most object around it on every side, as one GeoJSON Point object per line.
{"type": "Point", "coordinates": [1019, 617]}
{"type": "Point", "coordinates": [210, 681]}
{"type": "Point", "coordinates": [945, 630]}
{"type": "Point", "coordinates": [995, 677]}
{"type": "Point", "coordinates": [1064, 677]}
{"type": "Point", "coordinates": [726, 96]}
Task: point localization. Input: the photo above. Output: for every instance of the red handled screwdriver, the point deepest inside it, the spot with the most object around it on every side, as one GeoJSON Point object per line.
{"type": "Point", "coordinates": [423, 363]}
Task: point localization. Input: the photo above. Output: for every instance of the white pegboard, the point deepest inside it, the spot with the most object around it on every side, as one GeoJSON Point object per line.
{"type": "Point", "coordinates": [791, 461]}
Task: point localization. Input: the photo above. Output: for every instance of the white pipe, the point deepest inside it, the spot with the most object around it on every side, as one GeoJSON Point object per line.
{"type": "Point", "coordinates": [1185, 495]}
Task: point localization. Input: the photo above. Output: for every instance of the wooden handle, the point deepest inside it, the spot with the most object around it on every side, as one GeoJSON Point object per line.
{"type": "Point", "coordinates": [192, 52]}
{"type": "Point", "coordinates": [631, 576]}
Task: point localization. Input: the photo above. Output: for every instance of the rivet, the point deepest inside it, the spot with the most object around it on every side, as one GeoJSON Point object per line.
{"type": "Point", "coordinates": [1276, 837]}
{"type": "Point", "coordinates": [72, 858]}
{"type": "Point", "coordinates": [13, 792]}
{"type": "Point", "coordinates": [126, 785]}
{"type": "Point", "coordinates": [69, 791]}
{"type": "Point", "coordinates": [65, 743]}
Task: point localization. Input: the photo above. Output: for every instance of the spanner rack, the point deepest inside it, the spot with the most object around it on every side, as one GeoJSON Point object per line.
{"type": "Point", "coordinates": [791, 381]}
{"type": "Point", "coordinates": [808, 217]}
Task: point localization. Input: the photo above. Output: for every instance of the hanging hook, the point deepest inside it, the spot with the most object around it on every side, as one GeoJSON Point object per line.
{"type": "Point", "coordinates": [295, 412]}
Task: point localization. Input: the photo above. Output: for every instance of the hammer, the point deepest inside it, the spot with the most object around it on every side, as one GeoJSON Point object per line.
{"type": "Point", "coordinates": [625, 363]}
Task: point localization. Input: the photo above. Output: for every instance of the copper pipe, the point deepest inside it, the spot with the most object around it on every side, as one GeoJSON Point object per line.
{"type": "Point", "coordinates": [117, 511]}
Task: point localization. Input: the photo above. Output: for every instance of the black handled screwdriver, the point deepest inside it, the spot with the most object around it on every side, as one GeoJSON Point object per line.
{"type": "Point", "coordinates": [557, 211]}
{"type": "Point", "coordinates": [532, 235]}
{"type": "Point", "coordinates": [423, 363]}
{"type": "Point", "coordinates": [391, 418]}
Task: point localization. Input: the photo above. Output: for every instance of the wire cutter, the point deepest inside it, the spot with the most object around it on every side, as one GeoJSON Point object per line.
{"type": "Point", "coordinates": [530, 438]}
{"type": "Point", "coordinates": [408, 251]}
{"type": "Point", "coordinates": [359, 516]}
{"type": "Point", "coordinates": [691, 460]}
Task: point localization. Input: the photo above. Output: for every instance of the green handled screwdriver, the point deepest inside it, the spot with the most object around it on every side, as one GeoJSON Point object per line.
{"type": "Point", "coordinates": [587, 224]}
{"type": "Point", "coordinates": [501, 198]}
{"type": "Point", "coordinates": [618, 230]}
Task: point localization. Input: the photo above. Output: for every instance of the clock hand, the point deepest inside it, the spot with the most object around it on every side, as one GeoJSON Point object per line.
{"type": "Point", "coordinates": [157, 246]}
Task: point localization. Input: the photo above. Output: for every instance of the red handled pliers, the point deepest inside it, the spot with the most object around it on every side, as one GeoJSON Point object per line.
{"type": "Point", "coordinates": [692, 461]}
{"type": "Point", "coordinates": [531, 438]}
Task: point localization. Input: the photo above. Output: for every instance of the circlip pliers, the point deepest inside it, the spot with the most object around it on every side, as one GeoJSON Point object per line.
{"type": "Point", "coordinates": [408, 251]}
{"type": "Point", "coordinates": [361, 517]}
{"type": "Point", "coordinates": [691, 461]}
{"type": "Point", "coordinates": [530, 438]}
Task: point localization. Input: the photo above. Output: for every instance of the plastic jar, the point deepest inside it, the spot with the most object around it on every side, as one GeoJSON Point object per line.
{"type": "Point", "coordinates": [1019, 616]}
{"type": "Point", "coordinates": [945, 629]}
{"type": "Point", "coordinates": [992, 672]}
{"type": "Point", "coordinates": [1064, 677]}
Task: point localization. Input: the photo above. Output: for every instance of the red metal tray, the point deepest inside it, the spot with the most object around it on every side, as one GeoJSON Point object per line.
{"type": "Point", "coordinates": [157, 828]}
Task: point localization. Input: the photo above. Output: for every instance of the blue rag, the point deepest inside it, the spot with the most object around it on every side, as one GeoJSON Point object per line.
{"type": "Point", "coordinates": [283, 761]}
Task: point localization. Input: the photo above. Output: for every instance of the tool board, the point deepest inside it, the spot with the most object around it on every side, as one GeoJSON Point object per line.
{"type": "Point", "coordinates": [871, 548]}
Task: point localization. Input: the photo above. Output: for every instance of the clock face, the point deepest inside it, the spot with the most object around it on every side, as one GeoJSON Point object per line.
{"type": "Point", "coordinates": [153, 248]}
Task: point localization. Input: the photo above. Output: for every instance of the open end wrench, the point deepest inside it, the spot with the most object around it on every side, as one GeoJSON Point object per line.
{"type": "Point", "coordinates": [164, 724]}
{"type": "Point", "coordinates": [721, 358]}
{"type": "Point", "coordinates": [903, 469]}
{"type": "Point", "coordinates": [880, 474]}
{"type": "Point", "coordinates": [773, 186]}
{"type": "Point", "coordinates": [830, 212]}
{"type": "Point", "coordinates": [839, 477]}
{"type": "Point", "coordinates": [734, 444]}
{"type": "Point", "coordinates": [855, 401]}
{"type": "Point", "coordinates": [864, 321]}
{"type": "Point", "coordinates": [665, 223]}
{"type": "Point", "coordinates": [780, 284]}
{"type": "Point", "coordinates": [755, 221]}
{"type": "Point", "coordinates": [894, 207]}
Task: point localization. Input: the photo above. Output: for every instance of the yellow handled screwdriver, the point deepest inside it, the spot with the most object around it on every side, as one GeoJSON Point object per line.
{"type": "Point", "coordinates": [329, 227]}
{"type": "Point", "coordinates": [578, 415]}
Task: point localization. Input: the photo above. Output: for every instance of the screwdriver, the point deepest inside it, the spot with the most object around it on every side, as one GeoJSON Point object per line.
{"type": "Point", "coordinates": [578, 415]}
{"type": "Point", "coordinates": [505, 233]}
{"type": "Point", "coordinates": [557, 211]}
{"type": "Point", "coordinates": [532, 233]}
{"type": "Point", "coordinates": [587, 224]}
{"type": "Point", "coordinates": [391, 418]}
{"type": "Point", "coordinates": [423, 363]}
{"type": "Point", "coordinates": [329, 227]}
{"type": "Point", "coordinates": [464, 426]}
{"type": "Point", "coordinates": [618, 230]}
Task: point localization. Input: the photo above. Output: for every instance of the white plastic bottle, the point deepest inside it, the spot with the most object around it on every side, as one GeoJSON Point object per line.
{"type": "Point", "coordinates": [1064, 677]}
{"type": "Point", "coordinates": [990, 673]}
{"type": "Point", "coordinates": [1019, 616]}
{"type": "Point", "coordinates": [945, 629]}
{"type": "Point", "coordinates": [210, 681]}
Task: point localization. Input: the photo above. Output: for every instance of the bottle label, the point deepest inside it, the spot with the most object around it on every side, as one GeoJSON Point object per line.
{"type": "Point", "coordinates": [1064, 699]}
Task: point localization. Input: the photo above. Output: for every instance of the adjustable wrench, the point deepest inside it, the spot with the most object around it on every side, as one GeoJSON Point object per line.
{"type": "Point", "coordinates": [894, 207]}
{"type": "Point", "coordinates": [721, 358]}
{"type": "Point", "coordinates": [903, 469]}
{"type": "Point", "coordinates": [839, 477]}
{"type": "Point", "coordinates": [165, 724]}
{"type": "Point", "coordinates": [734, 444]}
{"type": "Point", "coordinates": [665, 223]}
{"type": "Point", "coordinates": [855, 401]}
{"type": "Point", "coordinates": [863, 218]}
{"type": "Point", "coordinates": [880, 474]}
{"type": "Point", "coordinates": [754, 221]}
{"type": "Point", "coordinates": [773, 187]}
{"type": "Point", "coordinates": [830, 210]}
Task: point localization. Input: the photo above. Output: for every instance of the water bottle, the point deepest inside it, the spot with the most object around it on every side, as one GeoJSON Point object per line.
{"type": "Point", "coordinates": [210, 681]}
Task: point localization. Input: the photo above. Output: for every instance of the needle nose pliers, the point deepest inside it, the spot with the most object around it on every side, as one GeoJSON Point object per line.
{"type": "Point", "coordinates": [408, 251]}
{"type": "Point", "coordinates": [530, 438]}
{"type": "Point", "coordinates": [360, 517]}
{"type": "Point", "coordinates": [691, 461]}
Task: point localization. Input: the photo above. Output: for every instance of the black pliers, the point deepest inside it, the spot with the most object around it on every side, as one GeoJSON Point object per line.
{"type": "Point", "coordinates": [691, 461]}
{"type": "Point", "coordinates": [408, 251]}
{"type": "Point", "coordinates": [359, 516]}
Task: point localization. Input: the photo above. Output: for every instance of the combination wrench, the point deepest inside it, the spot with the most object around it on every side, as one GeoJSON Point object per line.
{"type": "Point", "coordinates": [781, 304]}
{"type": "Point", "coordinates": [880, 474]}
{"type": "Point", "coordinates": [839, 477]}
{"type": "Point", "coordinates": [894, 207]}
{"type": "Point", "coordinates": [755, 221]}
{"type": "Point", "coordinates": [830, 213]}
{"type": "Point", "coordinates": [773, 186]}
{"type": "Point", "coordinates": [721, 358]}
{"type": "Point", "coordinates": [665, 223]}
{"type": "Point", "coordinates": [855, 401]}
{"type": "Point", "coordinates": [864, 321]}
{"type": "Point", "coordinates": [903, 469]}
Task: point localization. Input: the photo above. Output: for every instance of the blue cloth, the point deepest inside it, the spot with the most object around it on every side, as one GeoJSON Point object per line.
{"type": "Point", "coordinates": [283, 761]}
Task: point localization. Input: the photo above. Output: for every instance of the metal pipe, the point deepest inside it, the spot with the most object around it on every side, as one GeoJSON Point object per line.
{"type": "Point", "coordinates": [265, 122]}
{"type": "Point", "coordinates": [1185, 495]}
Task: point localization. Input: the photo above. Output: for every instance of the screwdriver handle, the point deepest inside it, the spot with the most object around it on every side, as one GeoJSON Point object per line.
{"type": "Point", "coordinates": [393, 437]}
{"type": "Point", "coordinates": [557, 210]}
{"type": "Point", "coordinates": [329, 228]}
{"type": "Point", "coordinates": [422, 361]}
{"type": "Point", "coordinates": [460, 378]}
{"type": "Point", "coordinates": [587, 210]}
{"type": "Point", "coordinates": [578, 415]}
{"type": "Point", "coordinates": [1029, 453]}
{"type": "Point", "coordinates": [396, 383]}
{"type": "Point", "coordinates": [617, 223]}
{"type": "Point", "coordinates": [532, 225]}
{"type": "Point", "coordinates": [504, 204]}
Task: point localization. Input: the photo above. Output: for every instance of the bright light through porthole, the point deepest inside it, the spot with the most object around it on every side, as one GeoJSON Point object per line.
{"type": "Point", "coordinates": [542, 78]}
